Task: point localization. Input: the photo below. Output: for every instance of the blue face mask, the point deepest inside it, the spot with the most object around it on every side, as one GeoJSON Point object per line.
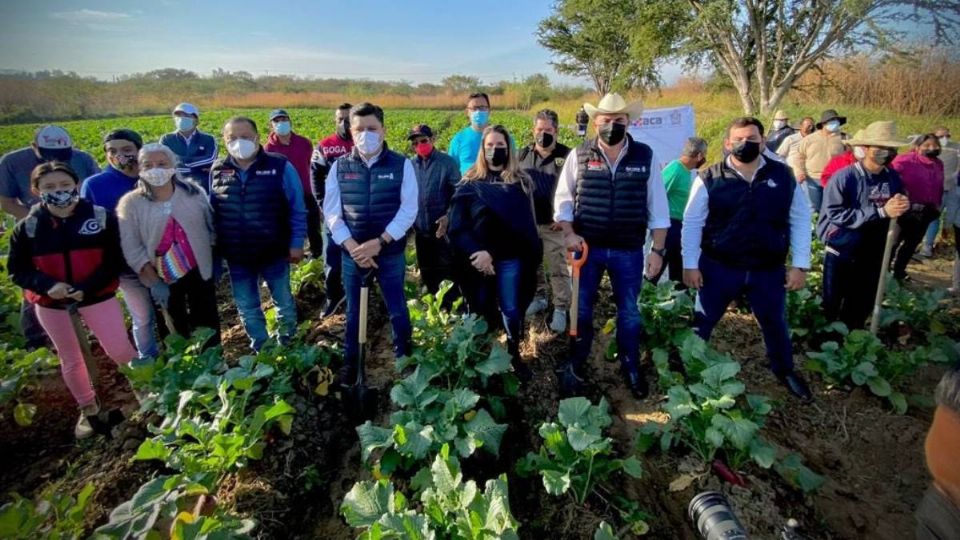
{"type": "Point", "coordinates": [184, 123]}
{"type": "Point", "coordinates": [833, 126]}
{"type": "Point", "coordinates": [282, 128]}
{"type": "Point", "coordinates": [479, 118]}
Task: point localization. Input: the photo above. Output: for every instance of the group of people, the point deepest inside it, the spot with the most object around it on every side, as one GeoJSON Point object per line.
{"type": "Point", "coordinates": [489, 216]}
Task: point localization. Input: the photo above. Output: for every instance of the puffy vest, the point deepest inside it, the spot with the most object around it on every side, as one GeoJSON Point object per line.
{"type": "Point", "coordinates": [748, 225]}
{"type": "Point", "coordinates": [370, 196]}
{"type": "Point", "coordinates": [252, 217]}
{"type": "Point", "coordinates": [610, 209]}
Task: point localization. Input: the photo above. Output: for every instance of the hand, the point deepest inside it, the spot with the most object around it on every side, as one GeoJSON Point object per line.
{"type": "Point", "coordinates": [801, 178]}
{"type": "Point", "coordinates": [59, 291]}
{"type": "Point", "coordinates": [483, 262]}
{"type": "Point", "coordinates": [160, 292]}
{"type": "Point", "coordinates": [654, 264]}
{"type": "Point", "coordinates": [555, 227]}
{"type": "Point", "coordinates": [296, 255]}
{"type": "Point", "coordinates": [573, 242]}
{"type": "Point", "coordinates": [796, 279]}
{"type": "Point", "coordinates": [365, 253]}
{"type": "Point", "coordinates": [692, 278]}
{"type": "Point", "coordinates": [442, 226]}
{"type": "Point", "coordinates": [896, 206]}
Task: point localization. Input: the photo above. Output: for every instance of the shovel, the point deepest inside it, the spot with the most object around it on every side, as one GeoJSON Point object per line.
{"type": "Point", "coordinates": [882, 286]}
{"type": "Point", "coordinates": [104, 422]}
{"type": "Point", "coordinates": [362, 400]}
{"type": "Point", "coordinates": [569, 382]}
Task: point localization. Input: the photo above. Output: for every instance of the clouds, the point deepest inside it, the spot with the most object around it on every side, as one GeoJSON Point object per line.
{"type": "Point", "coordinates": [82, 16]}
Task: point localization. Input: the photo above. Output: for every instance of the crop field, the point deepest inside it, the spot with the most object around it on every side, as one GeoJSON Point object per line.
{"type": "Point", "coordinates": [226, 444]}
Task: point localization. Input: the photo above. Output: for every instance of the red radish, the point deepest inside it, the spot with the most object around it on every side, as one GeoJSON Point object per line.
{"type": "Point", "coordinates": [724, 472]}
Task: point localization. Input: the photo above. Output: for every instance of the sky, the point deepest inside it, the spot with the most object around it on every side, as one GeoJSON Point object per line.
{"type": "Point", "coordinates": [373, 39]}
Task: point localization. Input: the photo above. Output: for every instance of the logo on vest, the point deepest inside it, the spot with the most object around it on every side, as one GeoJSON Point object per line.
{"type": "Point", "coordinates": [90, 227]}
{"type": "Point", "coordinates": [771, 183]}
{"type": "Point", "coordinates": [227, 173]}
{"type": "Point", "coordinates": [388, 176]}
{"type": "Point", "coordinates": [202, 148]}
{"type": "Point", "coordinates": [635, 169]}
{"type": "Point", "coordinates": [351, 176]}
{"type": "Point", "coordinates": [594, 166]}
{"type": "Point", "coordinates": [271, 172]}
{"type": "Point", "coordinates": [559, 161]}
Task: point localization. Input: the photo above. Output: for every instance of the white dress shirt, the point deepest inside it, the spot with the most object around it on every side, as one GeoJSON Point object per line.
{"type": "Point", "coordinates": [658, 212]}
{"type": "Point", "coordinates": [698, 206]}
{"type": "Point", "coordinates": [397, 228]}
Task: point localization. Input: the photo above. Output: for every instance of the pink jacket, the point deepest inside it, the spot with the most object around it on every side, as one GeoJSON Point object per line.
{"type": "Point", "coordinates": [922, 178]}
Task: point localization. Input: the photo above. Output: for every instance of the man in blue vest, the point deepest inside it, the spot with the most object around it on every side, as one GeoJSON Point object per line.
{"type": "Point", "coordinates": [370, 203]}
{"type": "Point", "coordinates": [608, 194]}
{"type": "Point", "coordinates": [744, 215]}
{"type": "Point", "coordinates": [261, 225]}
{"type": "Point", "coordinates": [196, 149]}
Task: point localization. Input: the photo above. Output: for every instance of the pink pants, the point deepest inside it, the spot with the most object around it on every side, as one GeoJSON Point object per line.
{"type": "Point", "coordinates": [105, 320]}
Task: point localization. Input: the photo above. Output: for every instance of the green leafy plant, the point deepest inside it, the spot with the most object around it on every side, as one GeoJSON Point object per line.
{"type": "Point", "coordinates": [20, 370]}
{"type": "Point", "coordinates": [920, 311]}
{"type": "Point", "coordinates": [667, 314]}
{"type": "Point", "coordinates": [308, 272]}
{"type": "Point", "coordinates": [449, 507]}
{"type": "Point", "coordinates": [53, 516]}
{"type": "Point", "coordinates": [805, 316]}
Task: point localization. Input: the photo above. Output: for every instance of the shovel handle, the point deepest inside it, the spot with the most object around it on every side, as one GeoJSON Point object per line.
{"type": "Point", "coordinates": [576, 263]}
{"type": "Point", "coordinates": [364, 304]}
{"type": "Point", "coordinates": [892, 233]}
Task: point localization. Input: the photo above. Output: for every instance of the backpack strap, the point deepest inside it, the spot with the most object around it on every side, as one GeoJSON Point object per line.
{"type": "Point", "coordinates": [30, 225]}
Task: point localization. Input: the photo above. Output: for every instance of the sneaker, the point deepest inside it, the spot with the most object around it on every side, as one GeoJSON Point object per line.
{"type": "Point", "coordinates": [539, 304]}
{"type": "Point", "coordinates": [331, 306]}
{"type": "Point", "coordinates": [796, 386]}
{"type": "Point", "coordinates": [558, 324]}
{"type": "Point", "coordinates": [84, 429]}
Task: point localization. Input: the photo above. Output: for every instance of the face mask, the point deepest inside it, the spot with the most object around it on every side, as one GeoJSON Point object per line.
{"type": "Point", "coordinates": [157, 177]}
{"type": "Point", "coordinates": [700, 163]}
{"type": "Point", "coordinates": [884, 156]}
{"type": "Point", "coordinates": [832, 126]}
{"type": "Point", "coordinates": [61, 198]}
{"type": "Point", "coordinates": [242, 148]}
{"type": "Point", "coordinates": [931, 153]}
{"type": "Point", "coordinates": [859, 152]}
{"type": "Point", "coordinates": [423, 149]}
{"type": "Point", "coordinates": [612, 133]}
{"type": "Point", "coordinates": [545, 140]}
{"type": "Point", "coordinates": [56, 154]}
{"type": "Point", "coordinates": [779, 124]}
{"type": "Point", "coordinates": [746, 151]}
{"type": "Point", "coordinates": [282, 128]}
{"type": "Point", "coordinates": [496, 157]}
{"type": "Point", "coordinates": [123, 162]}
{"type": "Point", "coordinates": [184, 123]}
{"type": "Point", "coordinates": [368, 142]}
{"type": "Point", "coordinates": [343, 129]}
{"type": "Point", "coordinates": [479, 118]}
{"type": "Point", "coordinates": [944, 141]}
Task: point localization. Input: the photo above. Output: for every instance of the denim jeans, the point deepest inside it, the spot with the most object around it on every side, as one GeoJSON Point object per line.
{"type": "Point", "coordinates": [389, 275]}
{"type": "Point", "coordinates": [767, 296]}
{"type": "Point", "coordinates": [498, 297]}
{"type": "Point", "coordinates": [245, 282]}
{"type": "Point", "coordinates": [136, 296]}
{"type": "Point", "coordinates": [332, 266]}
{"type": "Point", "coordinates": [814, 193]}
{"type": "Point", "coordinates": [625, 267]}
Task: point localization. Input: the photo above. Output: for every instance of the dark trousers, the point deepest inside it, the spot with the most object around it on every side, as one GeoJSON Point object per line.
{"type": "Point", "coordinates": [31, 328]}
{"type": "Point", "coordinates": [913, 226]}
{"type": "Point", "coordinates": [390, 276]}
{"type": "Point", "coordinates": [850, 279]}
{"type": "Point", "coordinates": [767, 296]}
{"type": "Point", "coordinates": [497, 299]}
{"type": "Point", "coordinates": [314, 235]}
{"type": "Point", "coordinates": [435, 259]}
{"type": "Point", "coordinates": [193, 305]}
{"type": "Point", "coordinates": [674, 261]}
{"type": "Point", "coordinates": [332, 267]}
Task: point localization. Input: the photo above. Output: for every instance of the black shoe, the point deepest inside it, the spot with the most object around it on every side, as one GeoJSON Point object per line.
{"type": "Point", "coordinates": [331, 306]}
{"type": "Point", "coordinates": [637, 383]}
{"type": "Point", "coordinates": [796, 385]}
{"type": "Point", "coordinates": [347, 376]}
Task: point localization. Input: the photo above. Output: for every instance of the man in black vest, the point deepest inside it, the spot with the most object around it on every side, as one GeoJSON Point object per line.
{"type": "Point", "coordinates": [609, 193]}
{"type": "Point", "coordinates": [261, 224]}
{"type": "Point", "coordinates": [743, 216]}
{"type": "Point", "coordinates": [543, 160]}
{"type": "Point", "coordinates": [370, 203]}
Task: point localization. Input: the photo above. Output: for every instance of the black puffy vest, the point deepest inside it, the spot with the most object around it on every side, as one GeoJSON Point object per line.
{"type": "Point", "coordinates": [610, 210]}
{"type": "Point", "coordinates": [252, 218]}
{"type": "Point", "coordinates": [748, 225]}
{"type": "Point", "coordinates": [370, 196]}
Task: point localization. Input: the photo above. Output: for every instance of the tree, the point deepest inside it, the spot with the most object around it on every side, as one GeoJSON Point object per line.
{"type": "Point", "coordinates": [765, 46]}
{"type": "Point", "coordinates": [460, 84]}
{"type": "Point", "coordinates": [615, 43]}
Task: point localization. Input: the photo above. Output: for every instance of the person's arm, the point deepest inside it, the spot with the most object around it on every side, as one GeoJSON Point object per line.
{"type": "Point", "coordinates": [784, 149]}
{"type": "Point", "coordinates": [798, 160]}
{"type": "Point", "coordinates": [86, 192]}
{"type": "Point", "coordinates": [333, 210]}
{"type": "Point", "coordinates": [694, 219]}
{"type": "Point", "coordinates": [461, 231]}
{"type": "Point", "coordinates": [800, 236]}
{"type": "Point", "coordinates": [209, 155]}
{"type": "Point", "coordinates": [841, 205]}
{"type": "Point", "coordinates": [9, 191]}
{"type": "Point", "coordinates": [13, 207]}
{"type": "Point", "coordinates": [319, 169]}
{"type": "Point", "coordinates": [658, 210]}
{"type": "Point", "coordinates": [403, 220]}
{"type": "Point", "coordinates": [566, 186]}
{"type": "Point", "coordinates": [20, 265]}
{"type": "Point", "coordinates": [293, 191]}
{"type": "Point", "coordinates": [131, 243]}
{"type": "Point", "coordinates": [111, 264]}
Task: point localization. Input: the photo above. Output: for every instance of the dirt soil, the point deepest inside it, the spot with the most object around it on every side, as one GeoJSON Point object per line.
{"type": "Point", "coordinates": [871, 457]}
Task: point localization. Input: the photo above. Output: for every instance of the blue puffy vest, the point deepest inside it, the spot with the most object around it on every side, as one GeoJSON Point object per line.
{"type": "Point", "coordinates": [370, 196]}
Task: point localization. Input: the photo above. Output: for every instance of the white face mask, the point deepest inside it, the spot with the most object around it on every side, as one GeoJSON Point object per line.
{"type": "Point", "coordinates": [779, 124]}
{"type": "Point", "coordinates": [157, 177]}
{"type": "Point", "coordinates": [944, 141]}
{"type": "Point", "coordinates": [184, 123]}
{"type": "Point", "coordinates": [859, 152]}
{"type": "Point", "coordinates": [368, 142]}
{"type": "Point", "coordinates": [242, 148]}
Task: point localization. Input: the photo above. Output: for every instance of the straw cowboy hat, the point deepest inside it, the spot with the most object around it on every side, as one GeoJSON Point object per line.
{"type": "Point", "coordinates": [614, 104]}
{"type": "Point", "coordinates": [781, 115]}
{"type": "Point", "coordinates": [879, 134]}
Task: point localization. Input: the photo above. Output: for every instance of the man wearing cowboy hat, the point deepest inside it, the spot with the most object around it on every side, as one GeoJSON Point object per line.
{"type": "Point", "coordinates": [858, 203]}
{"type": "Point", "coordinates": [744, 216]}
{"type": "Point", "coordinates": [608, 194]}
{"type": "Point", "coordinates": [781, 130]}
{"type": "Point", "coordinates": [815, 151]}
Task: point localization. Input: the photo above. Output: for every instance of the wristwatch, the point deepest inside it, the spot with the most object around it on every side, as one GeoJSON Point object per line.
{"type": "Point", "coordinates": [662, 252]}
{"type": "Point", "coordinates": [383, 242]}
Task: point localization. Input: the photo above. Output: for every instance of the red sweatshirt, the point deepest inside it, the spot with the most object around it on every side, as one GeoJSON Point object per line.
{"type": "Point", "coordinates": [835, 164]}
{"type": "Point", "coordinates": [298, 152]}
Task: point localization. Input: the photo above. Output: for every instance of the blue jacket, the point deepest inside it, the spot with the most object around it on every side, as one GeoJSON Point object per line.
{"type": "Point", "coordinates": [106, 188]}
{"type": "Point", "coordinates": [196, 158]}
{"type": "Point", "coordinates": [851, 206]}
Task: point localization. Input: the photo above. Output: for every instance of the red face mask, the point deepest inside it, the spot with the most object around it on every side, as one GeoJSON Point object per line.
{"type": "Point", "coordinates": [423, 149]}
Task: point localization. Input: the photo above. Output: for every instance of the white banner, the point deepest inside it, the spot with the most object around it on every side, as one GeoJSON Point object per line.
{"type": "Point", "coordinates": [665, 131]}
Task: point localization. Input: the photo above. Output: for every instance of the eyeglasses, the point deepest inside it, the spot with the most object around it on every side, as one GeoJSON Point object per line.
{"type": "Point", "coordinates": [480, 108]}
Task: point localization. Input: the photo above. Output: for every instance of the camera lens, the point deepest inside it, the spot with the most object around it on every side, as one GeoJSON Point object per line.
{"type": "Point", "coordinates": [714, 519]}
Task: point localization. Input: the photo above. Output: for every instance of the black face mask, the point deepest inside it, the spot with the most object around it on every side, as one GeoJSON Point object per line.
{"type": "Point", "coordinates": [932, 153]}
{"type": "Point", "coordinates": [746, 151]}
{"type": "Point", "coordinates": [883, 156]}
{"type": "Point", "coordinates": [545, 140]}
{"type": "Point", "coordinates": [496, 157]}
{"type": "Point", "coordinates": [612, 133]}
{"type": "Point", "coordinates": [343, 129]}
{"type": "Point", "coordinates": [58, 154]}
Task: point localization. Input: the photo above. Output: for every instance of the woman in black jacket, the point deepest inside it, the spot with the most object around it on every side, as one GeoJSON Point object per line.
{"type": "Point", "coordinates": [494, 236]}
